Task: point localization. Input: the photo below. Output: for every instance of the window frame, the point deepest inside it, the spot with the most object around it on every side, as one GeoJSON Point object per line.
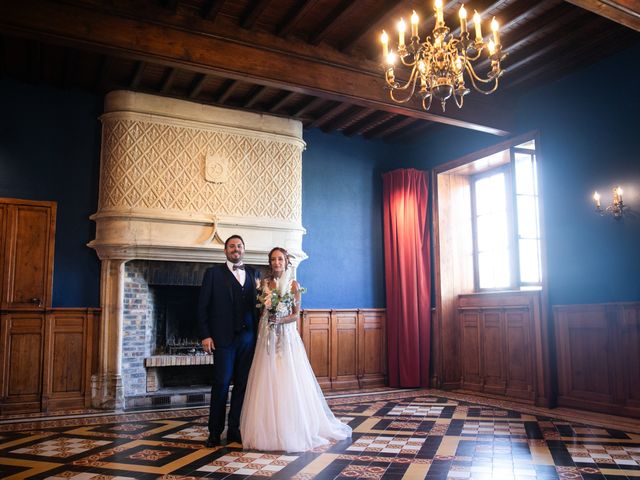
{"type": "Point", "coordinates": [513, 234]}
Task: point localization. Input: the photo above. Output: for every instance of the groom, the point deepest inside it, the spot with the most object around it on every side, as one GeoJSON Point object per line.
{"type": "Point", "coordinates": [228, 320]}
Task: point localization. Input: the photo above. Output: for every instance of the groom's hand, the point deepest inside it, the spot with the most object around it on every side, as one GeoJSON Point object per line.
{"type": "Point", "coordinates": [207, 345]}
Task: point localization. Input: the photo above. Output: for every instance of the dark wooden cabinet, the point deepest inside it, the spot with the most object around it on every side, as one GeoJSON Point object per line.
{"type": "Point", "coordinates": [68, 354]}
{"type": "Point", "coordinates": [28, 232]}
{"type": "Point", "coordinates": [46, 359]}
{"type": "Point", "coordinates": [22, 340]}
{"type": "Point", "coordinates": [598, 357]}
{"type": "Point", "coordinates": [346, 348]}
{"type": "Point", "coordinates": [497, 343]}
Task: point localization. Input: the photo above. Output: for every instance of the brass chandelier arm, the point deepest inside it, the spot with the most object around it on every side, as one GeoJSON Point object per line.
{"type": "Point", "coordinates": [474, 77]}
{"type": "Point", "coordinates": [394, 87]}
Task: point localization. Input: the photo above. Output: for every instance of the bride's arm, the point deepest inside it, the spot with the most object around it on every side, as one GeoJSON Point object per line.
{"type": "Point", "coordinates": [295, 311]}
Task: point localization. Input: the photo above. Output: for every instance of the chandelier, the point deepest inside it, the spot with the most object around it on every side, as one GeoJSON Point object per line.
{"type": "Point", "coordinates": [438, 63]}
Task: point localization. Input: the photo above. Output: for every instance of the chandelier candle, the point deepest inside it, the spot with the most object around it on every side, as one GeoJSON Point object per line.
{"type": "Point", "coordinates": [476, 21]}
{"type": "Point", "coordinates": [462, 13]}
{"type": "Point", "coordinates": [436, 65]}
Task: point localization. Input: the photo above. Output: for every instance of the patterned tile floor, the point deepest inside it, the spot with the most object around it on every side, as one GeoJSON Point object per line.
{"type": "Point", "coordinates": [399, 434]}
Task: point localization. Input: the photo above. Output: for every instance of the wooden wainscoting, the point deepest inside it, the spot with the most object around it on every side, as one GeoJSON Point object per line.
{"type": "Point", "coordinates": [500, 344]}
{"type": "Point", "coordinates": [346, 348]}
{"type": "Point", "coordinates": [598, 357]}
{"type": "Point", "coordinates": [47, 359]}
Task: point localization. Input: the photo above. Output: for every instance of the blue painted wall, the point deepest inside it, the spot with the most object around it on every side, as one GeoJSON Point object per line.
{"type": "Point", "coordinates": [49, 150]}
{"type": "Point", "coordinates": [588, 141]}
{"type": "Point", "coordinates": [342, 212]}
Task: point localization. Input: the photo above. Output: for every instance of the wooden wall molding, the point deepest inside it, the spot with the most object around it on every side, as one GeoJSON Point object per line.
{"type": "Point", "coordinates": [47, 358]}
{"type": "Point", "coordinates": [598, 357]}
{"type": "Point", "coordinates": [346, 347]}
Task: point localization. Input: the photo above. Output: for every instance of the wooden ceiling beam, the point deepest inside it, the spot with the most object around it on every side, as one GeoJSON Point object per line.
{"type": "Point", "coordinates": [294, 16]}
{"type": "Point", "coordinates": [343, 119]}
{"type": "Point", "coordinates": [171, 5]}
{"type": "Point", "coordinates": [368, 123]}
{"type": "Point", "coordinates": [408, 132]}
{"type": "Point", "coordinates": [279, 103]}
{"type": "Point", "coordinates": [624, 12]}
{"type": "Point", "coordinates": [168, 80]}
{"type": "Point", "coordinates": [136, 77]}
{"type": "Point", "coordinates": [553, 20]}
{"type": "Point", "coordinates": [329, 114]}
{"type": "Point", "coordinates": [255, 96]}
{"type": "Point", "coordinates": [321, 32]}
{"type": "Point", "coordinates": [543, 47]}
{"type": "Point", "coordinates": [390, 126]}
{"type": "Point", "coordinates": [253, 13]}
{"type": "Point", "coordinates": [211, 9]}
{"type": "Point", "coordinates": [577, 52]}
{"type": "Point", "coordinates": [228, 88]}
{"type": "Point", "coordinates": [196, 86]}
{"type": "Point", "coordinates": [239, 54]}
{"type": "Point", "coordinates": [308, 107]}
{"type": "Point", "coordinates": [372, 29]}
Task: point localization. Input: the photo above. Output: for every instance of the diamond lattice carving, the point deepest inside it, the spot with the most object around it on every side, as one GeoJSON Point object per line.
{"type": "Point", "coordinates": [161, 166]}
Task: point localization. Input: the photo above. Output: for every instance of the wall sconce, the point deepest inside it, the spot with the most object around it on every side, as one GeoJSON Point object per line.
{"type": "Point", "coordinates": [617, 208]}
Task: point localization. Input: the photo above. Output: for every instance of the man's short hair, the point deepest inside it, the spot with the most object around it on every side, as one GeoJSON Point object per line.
{"type": "Point", "coordinates": [231, 238]}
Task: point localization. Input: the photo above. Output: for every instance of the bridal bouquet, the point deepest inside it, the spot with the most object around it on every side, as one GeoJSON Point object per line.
{"type": "Point", "coordinates": [279, 301]}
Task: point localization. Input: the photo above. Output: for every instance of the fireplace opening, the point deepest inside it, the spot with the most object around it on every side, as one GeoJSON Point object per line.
{"type": "Point", "coordinates": [176, 320]}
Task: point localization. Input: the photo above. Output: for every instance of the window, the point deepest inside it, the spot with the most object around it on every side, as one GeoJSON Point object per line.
{"type": "Point", "coordinates": [506, 220]}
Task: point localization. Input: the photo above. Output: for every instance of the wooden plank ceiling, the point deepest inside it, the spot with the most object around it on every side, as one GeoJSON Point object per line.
{"type": "Point", "coordinates": [314, 60]}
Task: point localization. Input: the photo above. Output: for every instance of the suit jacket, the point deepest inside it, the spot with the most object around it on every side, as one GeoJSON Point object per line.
{"type": "Point", "coordinates": [215, 304]}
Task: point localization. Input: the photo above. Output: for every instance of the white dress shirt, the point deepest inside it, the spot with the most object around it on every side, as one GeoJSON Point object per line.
{"type": "Point", "coordinates": [239, 274]}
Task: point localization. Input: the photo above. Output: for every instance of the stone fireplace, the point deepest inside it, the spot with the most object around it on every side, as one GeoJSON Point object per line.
{"type": "Point", "coordinates": [176, 179]}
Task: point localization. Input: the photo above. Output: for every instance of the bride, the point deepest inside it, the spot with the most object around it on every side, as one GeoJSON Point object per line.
{"type": "Point", "coordinates": [284, 408]}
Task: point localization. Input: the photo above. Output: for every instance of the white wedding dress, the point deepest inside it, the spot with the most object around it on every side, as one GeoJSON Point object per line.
{"type": "Point", "coordinates": [284, 408]}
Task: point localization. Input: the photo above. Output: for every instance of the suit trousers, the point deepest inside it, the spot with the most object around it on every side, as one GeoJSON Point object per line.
{"type": "Point", "coordinates": [232, 362]}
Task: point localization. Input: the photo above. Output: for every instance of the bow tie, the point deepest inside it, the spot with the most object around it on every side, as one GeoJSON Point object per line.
{"type": "Point", "coordinates": [238, 267]}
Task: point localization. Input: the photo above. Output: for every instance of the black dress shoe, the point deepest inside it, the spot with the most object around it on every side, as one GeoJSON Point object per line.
{"type": "Point", "coordinates": [212, 441]}
{"type": "Point", "coordinates": [234, 436]}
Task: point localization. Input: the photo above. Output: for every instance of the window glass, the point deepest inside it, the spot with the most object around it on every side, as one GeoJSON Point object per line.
{"type": "Point", "coordinates": [507, 223]}
{"type": "Point", "coordinates": [494, 269]}
{"type": "Point", "coordinates": [527, 217]}
{"type": "Point", "coordinates": [530, 261]}
{"type": "Point", "coordinates": [525, 178]}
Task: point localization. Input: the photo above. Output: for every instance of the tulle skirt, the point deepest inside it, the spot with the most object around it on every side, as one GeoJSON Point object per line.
{"type": "Point", "coordinates": [284, 408]}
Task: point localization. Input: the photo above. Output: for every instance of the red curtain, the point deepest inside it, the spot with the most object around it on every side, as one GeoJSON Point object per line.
{"type": "Point", "coordinates": [408, 277]}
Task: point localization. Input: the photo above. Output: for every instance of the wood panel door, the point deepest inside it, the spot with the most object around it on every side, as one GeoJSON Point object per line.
{"type": "Point", "coordinates": [67, 360]}
{"type": "Point", "coordinates": [22, 361]}
{"type": "Point", "coordinates": [372, 348]}
{"type": "Point", "coordinates": [316, 335]}
{"type": "Point", "coordinates": [28, 261]}
{"type": "Point", "coordinates": [344, 349]}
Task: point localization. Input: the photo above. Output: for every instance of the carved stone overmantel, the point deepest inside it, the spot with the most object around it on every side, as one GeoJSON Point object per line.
{"type": "Point", "coordinates": [176, 179]}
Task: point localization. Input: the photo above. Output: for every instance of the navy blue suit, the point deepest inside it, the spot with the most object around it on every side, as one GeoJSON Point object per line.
{"type": "Point", "coordinates": [227, 313]}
